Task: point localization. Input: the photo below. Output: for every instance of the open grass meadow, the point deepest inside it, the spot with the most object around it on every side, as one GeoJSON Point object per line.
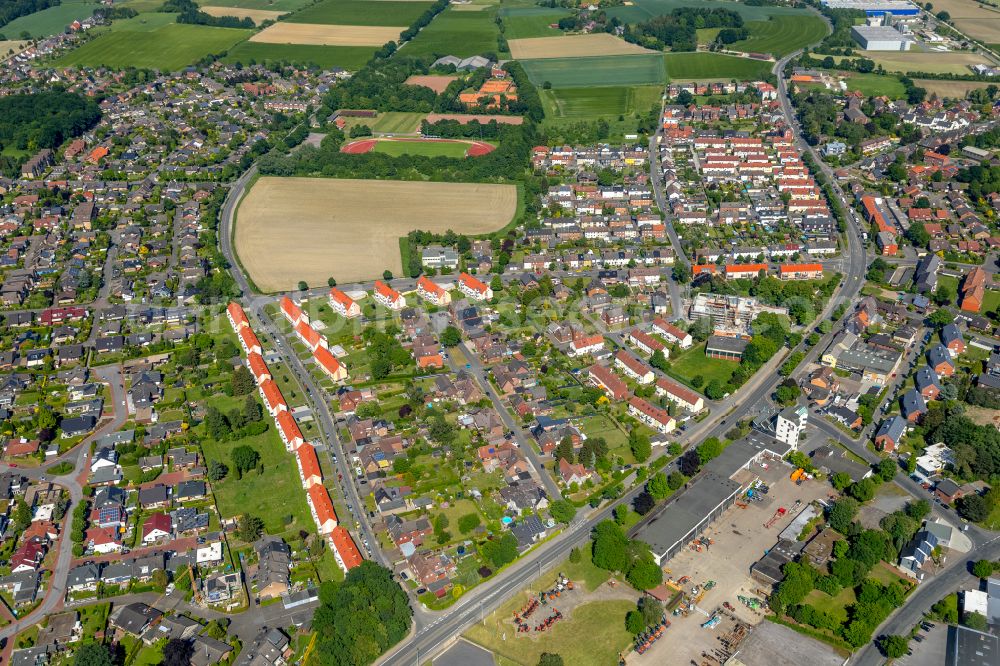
{"type": "Point", "coordinates": [396, 122]}
{"type": "Point", "coordinates": [461, 34]}
{"type": "Point", "coordinates": [781, 34]}
{"type": "Point", "coordinates": [594, 103]}
{"type": "Point", "coordinates": [525, 22]}
{"type": "Point", "coordinates": [876, 84]}
{"type": "Point", "coordinates": [48, 22]}
{"type": "Point", "coordinates": [425, 148]}
{"type": "Point", "coordinates": [272, 5]}
{"type": "Point", "coordinates": [709, 66]}
{"type": "Point", "coordinates": [350, 58]}
{"type": "Point", "coordinates": [362, 12]}
{"type": "Point", "coordinates": [623, 70]}
{"type": "Point", "coordinates": [168, 48]}
{"type": "Point", "coordinates": [643, 10]}
{"type": "Point", "coordinates": [693, 363]}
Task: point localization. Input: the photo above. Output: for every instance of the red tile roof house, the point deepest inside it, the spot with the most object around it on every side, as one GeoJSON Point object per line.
{"type": "Point", "coordinates": [28, 557]}
{"type": "Point", "coordinates": [634, 368]}
{"type": "Point", "coordinates": [343, 304]}
{"type": "Point", "coordinates": [103, 540]}
{"type": "Point", "coordinates": [432, 292]}
{"type": "Point", "coordinates": [646, 343]}
{"type": "Point", "coordinates": [586, 344]}
{"type": "Point", "coordinates": [672, 334]}
{"type": "Point", "coordinates": [329, 364]}
{"type": "Point", "coordinates": [271, 395]}
{"type": "Point", "coordinates": [474, 288]}
{"type": "Point", "coordinates": [572, 473]}
{"type": "Point", "coordinates": [656, 418]}
{"type": "Point", "coordinates": [309, 337]}
{"type": "Point", "coordinates": [605, 378]}
{"type": "Point", "coordinates": [289, 431]}
{"type": "Point", "coordinates": [308, 463]}
{"type": "Point", "coordinates": [157, 527]}
{"type": "Point", "coordinates": [258, 367]}
{"type": "Point", "coordinates": [800, 271]}
{"type": "Point", "coordinates": [344, 549]}
{"type": "Point", "coordinates": [679, 395]}
{"type": "Point", "coordinates": [237, 317]}
{"type": "Point", "coordinates": [249, 341]}
{"type": "Point", "coordinates": [293, 313]}
{"type": "Point", "coordinates": [321, 508]}
{"type": "Point", "coordinates": [388, 296]}
{"type": "Point", "coordinates": [744, 270]}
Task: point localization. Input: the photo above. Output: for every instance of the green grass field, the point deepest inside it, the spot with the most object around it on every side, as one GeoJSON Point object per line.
{"type": "Point", "coordinates": [393, 122]}
{"type": "Point", "coordinates": [643, 10]}
{"type": "Point", "coordinates": [146, 22]}
{"type": "Point", "coordinates": [594, 103]}
{"type": "Point", "coordinates": [168, 48]}
{"type": "Point", "coordinates": [876, 84]}
{"type": "Point", "coordinates": [525, 22]}
{"type": "Point", "coordinates": [781, 35]}
{"type": "Point", "coordinates": [48, 22]}
{"type": "Point", "coordinates": [348, 57]}
{"type": "Point", "coordinates": [693, 362]}
{"type": "Point", "coordinates": [461, 34]}
{"type": "Point", "coordinates": [708, 66]}
{"type": "Point", "coordinates": [271, 5]}
{"type": "Point", "coordinates": [624, 70]}
{"type": "Point", "coordinates": [362, 12]}
{"type": "Point", "coordinates": [426, 148]}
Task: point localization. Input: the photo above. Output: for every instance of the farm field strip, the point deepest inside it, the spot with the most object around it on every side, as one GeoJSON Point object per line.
{"type": "Point", "coordinates": [11, 47]}
{"type": "Point", "coordinates": [437, 83]}
{"type": "Point", "coordinates": [643, 10]}
{"type": "Point", "coordinates": [952, 62]}
{"type": "Point", "coordinates": [526, 22]}
{"type": "Point", "coordinates": [597, 71]}
{"type": "Point", "coordinates": [572, 46]}
{"type": "Point", "coordinates": [48, 22]}
{"type": "Point", "coordinates": [292, 229]}
{"type": "Point", "coordinates": [713, 66]}
{"type": "Point", "coordinates": [317, 34]}
{"type": "Point", "coordinates": [349, 57]}
{"type": "Point", "coordinates": [461, 34]}
{"type": "Point", "coordinates": [977, 21]}
{"type": "Point", "coordinates": [592, 103]}
{"type": "Point", "coordinates": [362, 12]}
{"type": "Point", "coordinates": [272, 5]}
{"type": "Point", "coordinates": [258, 16]}
{"type": "Point", "coordinates": [954, 89]}
{"type": "Point", "coordinates": [781, 34]}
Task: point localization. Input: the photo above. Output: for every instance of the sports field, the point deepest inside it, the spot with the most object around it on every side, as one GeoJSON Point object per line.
{"type": "Point", "coordinates": [168, 48]}
{"type": "Point", "coordinates": [291, 229]}
{"type": "Point", "coordinates": [349, 57]}
{"type": "Point", "coordinates": [461, 34]}
{"type": "Point", "coordinates": [48, 22]}
{"type": "Point", "coordinates": [594, 103]}
{"type": "Point", "coordinates": [977, 21]}
{"type": "Point", "coordinates": [596, 71]}
{"type": "Point", "coordinates": [952, 62]}
{"type": "Point", "coordinates": [316, 34]}
{"type": "Point", "coordinates": [572, 46]}
{"type": "Point", "coordinates": [396, 122]}
{"type": "Point", "coordinates": [713, 66]}
{"type": "Point", "coordinates": [258, 16]}
{"type": "Point", "coordinates": [436, 83]}
{"type": "Point", "coordinates": [395, 147]}
{"type": "Point", "coordinates": [525, 22]}
{"type": "Point", "coordinates": [362, 12]}
{"type": "Point", "coordinates": [643, 10]}
{"type": "Point", "coordinates": [781, 34]}
{"type": "Point", "coordinates": [953, 89]}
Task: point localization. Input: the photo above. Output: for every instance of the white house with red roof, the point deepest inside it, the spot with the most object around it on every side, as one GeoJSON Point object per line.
{"type": "Point", "coordinates": [271, 395]}
{"type": "Point", "coordinates": [237, 317]}
{"type": "Point", "coordinates": [634, 368]}
{"type": "Point", "coordinates": [102, 540]}
{"type": "Point", "coordinates": [289, 431]}
{"type": "Point", "coordinates": [248, 340]}
{"type": "Point", "coordinates": [309, 336]}
{"type": "Point", "coordinates": [329, 364]}
{"type": "Point", "coordinates": [388, 296]}
{"type": "Point", "coordinates": [656, 418]}
{"type": "Point", "coordinates": [156, 527]}
{"type": "Point", "coordinates": [571, 473]}
{"type": "Point", "coordinates": [671, 333]}
{"type": "Point", "coordinates": [293, 313]}
{"type": "Point", "coordinates": [646, 343]}
{"type": "Point", "coordinates": [343, 304]}
{"type": "Point", "coordinates": [474, 288]}
{"type": "Point", "coordinates": [432, 292]}
{"type": "Point", "coordinates": [586, 344]}
{"type": "Point", "coordinates": [605, 379]}
{"type": "Point", "coordinates": [258, 367]}
{"type": "Point", "coordinates": [679, 395]}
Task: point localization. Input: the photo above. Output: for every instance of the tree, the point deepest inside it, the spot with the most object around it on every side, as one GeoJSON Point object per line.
{"type": "Point", "coordinates": [22, 515]}
{"type": "Point", "coordinates": [249, 528]}
{"type": "Point", "coordinates": [973, 508]}
{"type": "Point", "coordinates": [689, 463]}
{"type": "Point", "coordinates": [243, 381]}
{"type": "Point", "coordinates": [918, 509]}
{"type": "Point", "coordinates": [840, 480]}
{"type": "Point", "coordinates": [640, 446]}
{"type": "Point", "coordinates": [886, 469]}
{"type": "Point", "coordinates": [177, 652]}
{"type": "Point", "coordinates": [387, 275]}
{"type": "Point", "coordinates": [562, 511]}
{"type": "Point", "coordinates": [658, 486]}
{"type": "Point", "coordinates": [682, 272]}
{"type": "Point", "coordinates": [975, 621]}
{"type": "Point", "coordinates": [894, 647]}
{"type": "Point", "coordinates": [982, 569]}
{"type": "Point", "coordinates": [451, 336]}
{"type": "Point", "coordinates": [160, 579]}
{"type": "Point", "coordinates": [609, 543]}
{"type": "Point", "coordinates": [940, 318]}
{"type": "Point", "coordinates": [710, 449]}
{"type": "Point", "coordinates": [330, 282]}
{"type": "Point", "coordinates": [550, 659]}
{"type": "Point", "coordinates": [92, 654]}
{"type": "Point", "coordinates": [645, 573]}
{"type": "Point", "coordinates": [217, 471]}
{"type": "Point", "coordinates": [500, 550]}
{"type": "Point", "coordinates": [244, 459]}
{"type": "Point", "coordinates": [468, 522]}
{"type": "Point", "coordinates": [564, 450]}
{"type": "Point", "coordinates": [842, 514]}
{"type": "Point", "coordinates": [863, 490]}
{"type": "Point", "coordinates": [634, 622]}
{"type": "Point", "coordinates": [303, 285]}
{"type": "Point", "coordinates": [675, 480]}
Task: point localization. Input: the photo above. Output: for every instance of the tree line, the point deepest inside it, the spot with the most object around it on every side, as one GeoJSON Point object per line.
{"type": "Point", "coordinates": [678, 30]}
{"type": "Point", "coordinates": [12, 9]}
{"type": "Point", "coordinates": [43, 120]}
{"type": "Point", "coordinates": [189, 12]}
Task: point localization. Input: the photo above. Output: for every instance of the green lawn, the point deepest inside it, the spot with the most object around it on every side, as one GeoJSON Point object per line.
{"type": "Point", "coordinates": [525, 22]}
{"type": "Point", "coordinates": [51, 21]}
{"type": "Point", "coordinates": [602, 426]}
{"type": "Point", "coordinates": [621, 70]}
{"type": "Point", "coordinates": [709, 66]}
{"type": "Point", "coordinates": [688, 364]}
{"type": "Point", "coordinates": [398, 122]}
{"type": "Point", "coordinates": [835, 605]}
{"type": "Point", "coordinates": [593, 103]}
{"type": "Point", "coordinates": [991, 301]}
{"type": "Point", "coordinates": [350, 58]}
{"type": "Point", "coordinates": [461, 34]}
{"type": "Point", "coordinates": [146, 22]}
{"type": "Point", "coordinates": [781, 34]}
{"type": "Point", "coordinates": [149, 655]}
{"type": "Point", "coordinates": [362, 12]}
{"type": "Point", "coordinates": [585, 571]}
{"type": "Point", "coordinates": [876, 84]}
{"type": "Point", "coordinates": [427, 148]}
{"type": "Point", "coordinates": [255, 493]}
{"type": "Point", "coordinates": [168, 48]}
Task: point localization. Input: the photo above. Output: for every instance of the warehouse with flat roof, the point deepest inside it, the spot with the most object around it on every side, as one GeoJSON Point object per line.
{"type": "Point", "coordinates": [880, 38]}
{"type": "Point", "coordinates": [876, 7]}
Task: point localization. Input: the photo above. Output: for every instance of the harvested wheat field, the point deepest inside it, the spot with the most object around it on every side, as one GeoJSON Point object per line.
{"type": "Point", "coordinates": [573, 46]}
{"type": "Point", "coordinates": [950, 62]}
{"type": "Point", "coordinates": [972, 18]}
{"type": "Point", "coordinates": [258, 16]}
{"type": "Point", "coordinates": [437, 83]}
{"type": "Point", "coordinates": [11, 47]}
{"type": "Point", "coordinates": [953, 89]}
{"type": "Point", "coordinates": [292, 229]}
{"type": "Point", "coordinates": [316, 34]}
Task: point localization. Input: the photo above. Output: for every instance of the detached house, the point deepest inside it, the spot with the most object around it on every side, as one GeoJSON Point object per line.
{"type": "Point", "coordinates": [474, 288]}
{"type": "Point", "coordinates": [432, 292]}
{"type": "Point", "coordinates": [388, 296]}
{"type": "Point", "coordinates": [343, 304]}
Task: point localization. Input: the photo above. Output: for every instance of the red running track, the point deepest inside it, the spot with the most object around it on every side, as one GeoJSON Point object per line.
{"type": "Point", "coordinates": [361, 146]}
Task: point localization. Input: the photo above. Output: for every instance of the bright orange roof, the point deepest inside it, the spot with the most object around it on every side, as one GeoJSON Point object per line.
{"type": "Point", "coordinates": [327, 360]}
{"type": "Point", "coordinates": [472, 283]}
{"type": "Point", "coordinates": [346, 548]}
{"type": "Point", "coordinates": [249, 338]}
{"type": "Point", "coordinates": [429, 286]}
{"type": "Point", "coordinates": [321, 504]}
{"type": "Point", "coordinates": [288, 426]}
{"type": "Point", "coordinates": [703, 268]}
{"type": "Point", "coordinates": [272, 394]}
{"type": "Point", "coordinates": [341, 298]}
{"type": "Point", "coordinates": [800, 268]}
{"type": "Point", "coordinates": [98, 153]}
{"type": "Point", "coordinates": [309, 462]}
{"type": "Point", "coordinates": [745, 268]}
{"type": "Point", "coordinates": [238, 316]}
{"type": "Point", "coordinates": [257, 365]}
{"type": "Point", "coordinates": [385, 290]}
{"type": "Point", "coordinates": [307, 333]}
{"type": "Point", "coordinates": [291, 310]}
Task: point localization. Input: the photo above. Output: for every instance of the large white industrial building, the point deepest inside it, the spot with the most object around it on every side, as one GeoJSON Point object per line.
{"type": "Point", "coordinates": [880, 38]}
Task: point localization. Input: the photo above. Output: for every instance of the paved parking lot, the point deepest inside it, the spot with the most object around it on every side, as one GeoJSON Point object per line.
{"type": "Point", "coordinates": [930, 651]}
